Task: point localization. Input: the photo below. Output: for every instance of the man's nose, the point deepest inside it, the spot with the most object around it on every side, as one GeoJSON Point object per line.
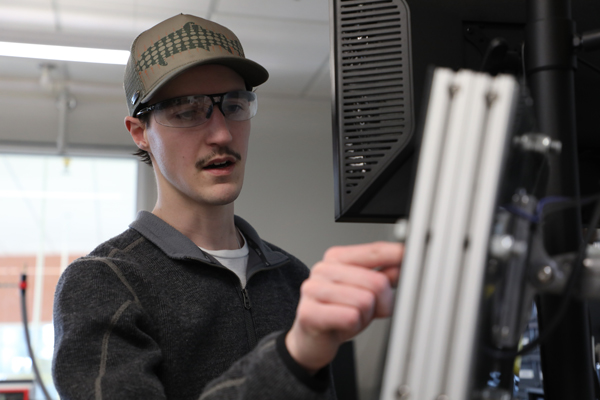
{"type": "Point", "coordinates": [217, 126]}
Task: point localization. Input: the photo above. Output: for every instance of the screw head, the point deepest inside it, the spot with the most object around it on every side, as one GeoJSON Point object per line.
{"type": "Point", "coordinates": [545, 274]}
{"type": "Point", "coordinates": [401, 230]}
{"type": "Point", "coordinates": [403, 392]}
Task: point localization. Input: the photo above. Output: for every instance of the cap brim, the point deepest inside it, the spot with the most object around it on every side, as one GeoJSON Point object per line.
{"type": "Point", "coordinates": [253, 73]}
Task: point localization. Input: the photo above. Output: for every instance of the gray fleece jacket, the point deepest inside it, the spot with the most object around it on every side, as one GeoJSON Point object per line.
{"type": "Point", "coordinates": [148, 315]}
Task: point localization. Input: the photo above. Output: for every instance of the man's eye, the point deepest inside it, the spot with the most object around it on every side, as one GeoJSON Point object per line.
{"type": "Point", "coordinates": [186, 114]}
{"type": "Point", "coordinates": [235, 107]}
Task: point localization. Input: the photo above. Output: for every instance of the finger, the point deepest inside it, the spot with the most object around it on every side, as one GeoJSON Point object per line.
{"type": "Point", "coordinates": [370, 255]}
{"type": "Point", "coordinates": [317, 319]}
{"type": "Point", "coordinates": [375, 282]}
{"type": "Point", "coordinates": [392, 274]}
{"type": "Point", "coordinates": [364, 301]}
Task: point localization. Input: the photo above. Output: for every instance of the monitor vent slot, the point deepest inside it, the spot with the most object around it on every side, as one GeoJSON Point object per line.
{"type": "Point", "coordinates": [373, 89]}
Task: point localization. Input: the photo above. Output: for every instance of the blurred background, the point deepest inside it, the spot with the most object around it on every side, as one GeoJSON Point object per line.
{"type": "Point", "coordinates": [68, 180]}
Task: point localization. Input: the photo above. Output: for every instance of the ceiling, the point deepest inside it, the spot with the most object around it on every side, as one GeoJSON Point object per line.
{"type": "Point", "coordinates": [288, 37]}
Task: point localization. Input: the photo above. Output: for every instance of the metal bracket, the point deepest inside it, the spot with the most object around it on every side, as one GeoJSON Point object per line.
{"type": "Point", "coordinates": [509, 247]}
{"type": "Point", "coordinates": [550, 275]}
{"type": "Point", "coordinates": [590, 279]}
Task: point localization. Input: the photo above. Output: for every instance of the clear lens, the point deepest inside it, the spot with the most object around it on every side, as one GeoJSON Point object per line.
{"type": "Point", "coordinates": [239, 106]}
{"type": "Point", "coordinates": [189, 111]}
{"type": "Point", "coordinates": [183, 112]}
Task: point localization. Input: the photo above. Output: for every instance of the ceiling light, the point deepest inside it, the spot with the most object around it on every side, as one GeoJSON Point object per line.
{"type": "Point", "coordinates": [38, 194]}
{"type": "Point", "coordinates": [64, 53]}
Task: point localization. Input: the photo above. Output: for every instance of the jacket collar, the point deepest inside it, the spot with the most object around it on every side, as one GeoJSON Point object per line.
{"type": "Point", "coordinates": [178, 246]}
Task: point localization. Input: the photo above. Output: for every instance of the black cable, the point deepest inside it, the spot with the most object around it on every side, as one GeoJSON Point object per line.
{"type": "Point", "coordinates": [567, 203]}
{"type": "Point", "coordinates": [563, 204]}
{"type": "Point", "coordinates": [596, 381]}
{"type": "Point", "coordinates": [38, 376]}
{"type": "Point", "coordinates": [589, 65]}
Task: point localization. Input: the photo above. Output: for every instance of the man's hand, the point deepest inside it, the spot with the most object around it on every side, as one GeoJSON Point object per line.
{"type": "Point", "coordinates": [350, 287]}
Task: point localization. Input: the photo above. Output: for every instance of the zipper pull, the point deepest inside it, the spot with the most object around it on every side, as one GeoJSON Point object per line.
{"type": "Point", "coordinates": [247, 304]}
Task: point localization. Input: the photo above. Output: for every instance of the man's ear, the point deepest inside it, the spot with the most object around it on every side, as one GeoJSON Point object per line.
{"type": "Point", "coordinates": [137, 130]}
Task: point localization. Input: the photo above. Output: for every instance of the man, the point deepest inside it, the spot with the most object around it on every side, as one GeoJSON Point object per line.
{"type": "Point", "coordinates": [189, 302]}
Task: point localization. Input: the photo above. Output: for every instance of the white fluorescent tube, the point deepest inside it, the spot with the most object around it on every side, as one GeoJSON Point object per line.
{"type": "Point", "coordinates": [64, 53]}
{"type": "Point", "coordinates": [37, 194]}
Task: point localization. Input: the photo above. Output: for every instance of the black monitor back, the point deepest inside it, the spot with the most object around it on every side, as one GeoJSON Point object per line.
{"type": "Point", "coordinates": [381, 52]}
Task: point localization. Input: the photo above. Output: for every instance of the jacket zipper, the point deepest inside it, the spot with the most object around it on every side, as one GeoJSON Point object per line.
{"type": "Point", "coordinates": [250, 329]}
{"type": "Point", "coordinates": [247, 304]}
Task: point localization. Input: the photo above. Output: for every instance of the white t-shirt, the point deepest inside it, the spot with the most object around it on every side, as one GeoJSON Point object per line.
{"type": "Point", "coordinates": [235, 260]}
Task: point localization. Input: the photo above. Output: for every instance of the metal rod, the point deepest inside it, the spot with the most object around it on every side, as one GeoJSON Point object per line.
{"type": "Point", "coordinates": [550, 61]}
{"type": "Point", "coordinates": [36, 371]}
{"type": "Point", "coordinates": [63, 107]}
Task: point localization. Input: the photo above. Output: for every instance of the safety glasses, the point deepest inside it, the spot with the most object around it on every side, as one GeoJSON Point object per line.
{"type": "Point", "coordinates": [189, 111]}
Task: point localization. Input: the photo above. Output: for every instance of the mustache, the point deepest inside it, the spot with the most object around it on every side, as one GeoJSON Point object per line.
{"type": "Point", "coordinates": [220, 152]}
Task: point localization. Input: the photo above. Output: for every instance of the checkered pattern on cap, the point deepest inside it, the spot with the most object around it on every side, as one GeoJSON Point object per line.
{"type": "Point", "coordinates": [176, 44]}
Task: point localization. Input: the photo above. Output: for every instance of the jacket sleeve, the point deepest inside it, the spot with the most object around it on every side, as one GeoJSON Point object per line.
{"type": "Point", "coordinates": [269, 372]}
{"type": "Point", "coordinates": [105, 348]}
{"type": "Point", "coordinates": [103, 344]}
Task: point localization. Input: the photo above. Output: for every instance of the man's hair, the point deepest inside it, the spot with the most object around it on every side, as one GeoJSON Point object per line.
{"type": "Point", "coordinates": [143, 154]}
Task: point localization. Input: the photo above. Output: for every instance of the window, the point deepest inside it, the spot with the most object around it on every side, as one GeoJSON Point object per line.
{"type": "Point", "coordinates": [52, 210]}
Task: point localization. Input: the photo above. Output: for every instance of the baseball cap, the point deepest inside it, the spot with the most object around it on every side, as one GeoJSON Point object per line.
{"type": "Point", "coordinates": [177, 44]}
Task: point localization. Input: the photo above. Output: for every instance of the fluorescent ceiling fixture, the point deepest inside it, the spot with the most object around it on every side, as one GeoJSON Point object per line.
{"type": "Point", "coordinates": [64, 53]}
{"type": "Point", "coordinates": [35, 194]}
